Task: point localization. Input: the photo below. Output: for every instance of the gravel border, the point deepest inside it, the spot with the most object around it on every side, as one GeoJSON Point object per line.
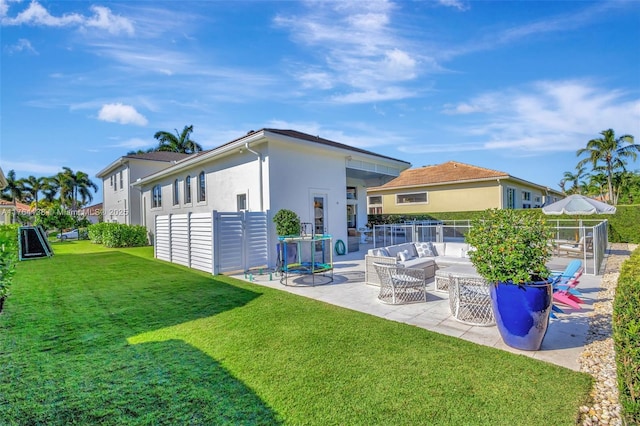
{"type": "Point", "coordinates": [598, 356]}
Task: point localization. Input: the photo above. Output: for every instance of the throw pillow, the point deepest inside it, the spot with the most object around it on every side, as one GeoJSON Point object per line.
{"type": "Point", "coordinates": [404, 255]}
{"type": "Point", "coordinates": [425, 249]}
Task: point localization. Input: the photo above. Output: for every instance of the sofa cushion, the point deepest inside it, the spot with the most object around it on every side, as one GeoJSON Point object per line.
{"type": "Point", "coordinates": [438, 249]}
{"type": "Point", "coordinates": [452, 260]}
{"type": "Point", "coordinates": [456, 249]}
{"type": "Point", "coordinates": [394, 250]}
{"type": "Point", "coordinates": [418, 262]}
{"type": "Point", "coordinates": [382, 251]}
{"type": "Point", "coordinates": [404, 255]}
{"type": "Point", "coordinates": [424, 249]}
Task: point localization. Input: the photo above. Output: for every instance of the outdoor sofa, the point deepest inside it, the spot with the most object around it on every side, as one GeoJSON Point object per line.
{"type": "Point", "coordinates": [424, 255]}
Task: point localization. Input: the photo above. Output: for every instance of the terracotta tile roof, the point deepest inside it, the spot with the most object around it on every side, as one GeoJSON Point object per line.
{"type": "Point", "coordinates": [449, 172]}
{"type": "Point", "coordinates": [21, 207]}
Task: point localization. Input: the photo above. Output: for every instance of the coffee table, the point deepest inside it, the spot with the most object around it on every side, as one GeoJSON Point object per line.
{"type": "Point", "coordinates": [442, 275]}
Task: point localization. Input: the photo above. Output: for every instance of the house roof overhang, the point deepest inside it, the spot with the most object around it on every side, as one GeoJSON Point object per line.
{"type": "Point", "coordinates": [287, 136]}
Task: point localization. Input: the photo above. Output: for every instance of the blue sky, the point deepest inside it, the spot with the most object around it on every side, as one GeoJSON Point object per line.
{"type": "Point", "coordinates": [516, 86]}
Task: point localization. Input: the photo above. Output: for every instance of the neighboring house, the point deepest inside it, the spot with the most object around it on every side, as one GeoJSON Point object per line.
{"type": "Point", "coordinates": [453, 187]}
{"type": "Point", "coordinates": [323, 181]}
{"type": "Point", "coordinates": [9, 209]}
{"type": "Point", "coordinates": [92, 213]}
{"type": "Point", "coordinates": [121, 202]}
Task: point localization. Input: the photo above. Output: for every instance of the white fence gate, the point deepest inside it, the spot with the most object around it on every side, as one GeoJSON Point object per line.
{"type": "Point", "coordinates": [214, 242]}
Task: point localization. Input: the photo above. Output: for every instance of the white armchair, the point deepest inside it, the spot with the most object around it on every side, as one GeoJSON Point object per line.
{"type": "Point", "coordinates": [400, 285]}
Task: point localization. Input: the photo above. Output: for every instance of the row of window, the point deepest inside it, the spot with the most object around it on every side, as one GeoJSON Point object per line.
{"type": "Point", "coordinates": [405, 198]}
{"type": "Point", "coordinates": [113, 181]}
{"type": "Point", "coordinates": [156, 200]}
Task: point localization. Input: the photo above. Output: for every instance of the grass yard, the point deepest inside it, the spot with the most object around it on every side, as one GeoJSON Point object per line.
{"type": "Point", "coordinates": [112, 336]}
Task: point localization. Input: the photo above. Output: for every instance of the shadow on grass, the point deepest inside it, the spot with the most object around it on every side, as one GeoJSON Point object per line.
{"type": "Point", "coordinates": [66, 358]}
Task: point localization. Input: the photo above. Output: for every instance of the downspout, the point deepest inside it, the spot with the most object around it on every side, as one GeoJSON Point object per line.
{"type": "Point", "coordinates": [257, 154]}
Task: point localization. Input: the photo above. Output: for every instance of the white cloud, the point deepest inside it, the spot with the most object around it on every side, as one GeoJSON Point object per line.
{"type": "Point", "coordinates": [105, 20]}
{"type": "Point", "coordinates": [134, 143]}
{"type": "Point", "coordinates": [37, 15]}
{"type": "Point", "coordinates": [24, 167]}
{"type": "Point", "coordinates": [548, 115]}
{"type": "Point", "coordinates": [123, 114]}
{"type": "Point", "coordinates": [457, 4]}
{"type": "Point", "coordinates": [384, 94]}
{"type": "Point", "coordinates": [357, 48]}
{"type": "Point", "coordinates": [23, 45]}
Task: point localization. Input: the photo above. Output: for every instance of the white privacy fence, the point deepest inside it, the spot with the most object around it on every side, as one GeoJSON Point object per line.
{"type": "Point", "coordinates": [215, 242]}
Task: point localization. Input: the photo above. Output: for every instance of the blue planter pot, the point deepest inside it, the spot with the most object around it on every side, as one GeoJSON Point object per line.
{"type": "Point", "coordinates": [522, 313]}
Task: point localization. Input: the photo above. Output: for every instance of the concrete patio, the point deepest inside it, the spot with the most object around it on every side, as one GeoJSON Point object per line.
{"type": "Point", "coordinates": [562, 345]}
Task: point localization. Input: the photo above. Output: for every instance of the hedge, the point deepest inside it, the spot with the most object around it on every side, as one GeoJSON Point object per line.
{"type": "Point", "coordinates": [118, 235]}
{"type": "Point", "coordinates": [626, 337]}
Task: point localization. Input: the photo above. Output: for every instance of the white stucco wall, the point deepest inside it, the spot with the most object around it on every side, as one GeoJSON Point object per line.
{"type": "Point", "coordinates": [122, 204]}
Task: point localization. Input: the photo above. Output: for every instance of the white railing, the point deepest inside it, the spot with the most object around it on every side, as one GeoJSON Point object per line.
{"type": "Point", "coordinates": [566, 231]}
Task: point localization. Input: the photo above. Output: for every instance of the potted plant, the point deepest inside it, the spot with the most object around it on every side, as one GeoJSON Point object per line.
{"type": "Point", "coordinates": [287, 223]}
{"type": "Point", "coordinates": [8, 258]}
{"type": "Point", "coordinates": [510, 251]}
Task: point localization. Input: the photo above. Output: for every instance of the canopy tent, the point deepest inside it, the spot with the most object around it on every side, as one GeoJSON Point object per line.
{"type": "Point", "coordinates": [578, 204]}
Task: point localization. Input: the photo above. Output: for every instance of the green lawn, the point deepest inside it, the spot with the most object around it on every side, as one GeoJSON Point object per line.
{"type": "Point", "coordinates": [106, 336]}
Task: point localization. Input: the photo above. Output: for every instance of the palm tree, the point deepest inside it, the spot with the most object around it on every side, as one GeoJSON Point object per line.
{"type": "Point", "coordinates": [611, 151]}
{"type": "Point", "coordinates": [33, 185]}
{"type": "Point", "coordinates": [574, 179]}
{"type": "Point", "coordinates": [77, 187]}
{"type": "Point", "coordinates": [180, 142]}
{"type": "Point", "coordinates": [13, 191]}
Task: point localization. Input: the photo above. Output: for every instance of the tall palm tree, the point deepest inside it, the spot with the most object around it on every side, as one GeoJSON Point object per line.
{"type": "Point", "coordinates": [76, 185]}
{"type": "Point", "coordinates": [33, 185]}
{"type": "Point", "coordinates": [13, 191]}
{"type": "Point", "coordinates": [611, 151]}
{"type": "Point", "coordinates": [180, 142]}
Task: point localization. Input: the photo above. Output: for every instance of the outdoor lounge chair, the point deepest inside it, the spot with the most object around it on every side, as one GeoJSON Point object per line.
{"type": "Point", "coordinates": [401, 285]}
{"type": "Point", "coordinates": [564, 284]}
{"type": "Point", "coordinates": [584, 245]}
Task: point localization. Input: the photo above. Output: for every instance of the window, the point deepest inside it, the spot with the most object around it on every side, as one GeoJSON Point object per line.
{"type": "Point", "coordinates": [121, 181]}
{"type": "Point", "coordinates": [115, 183]}
{"type": "Point", "coordinates": [411, 198]}
{"type": "Point", "coordinates": [111, 180]}
{"type": "Point", "coordinates": [202, 190]}
{"type": "Point", "coordinates": [526, 196]}
{"type": "Point", "coordinates": [375, 210]}
{"type": "Point", "coordinates": [241, 202]}
{"type": "Point", "coordinates": [187, 190]}
{"type": "Point", "coordinates": [511, 198]}
{"type": "Point", "coordinates": [375, 200]}
{"type": "Point", "coordinates": [176, 193]}
{"type": "Point", "coordinates": [351, 193]}
{"type": "Point", "coordinates": [157, 197]}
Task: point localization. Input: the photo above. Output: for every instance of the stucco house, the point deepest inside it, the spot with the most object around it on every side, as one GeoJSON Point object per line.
{"type": "Point", "coordinates": [454, 187]}
{"type": "Point", "coordinates": [121, 202]}
{"type": "Point", "coordinates": [323, 181]}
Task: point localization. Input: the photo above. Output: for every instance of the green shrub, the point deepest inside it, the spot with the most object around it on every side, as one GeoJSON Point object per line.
{"type": "Point", "coordinates": [96, 232]}
{"type": "Point", "coordinates": [118, 235]}
{"type": "Point", "coordinates": [8, 257]}
{"type": "Point", "coordinates": [626, 337]}
{"type": "Point", "coordinates": [287, 222]}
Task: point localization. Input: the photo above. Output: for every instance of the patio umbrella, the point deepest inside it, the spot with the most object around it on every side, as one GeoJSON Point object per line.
{"type": "Point", "coordinates": [578, 204]}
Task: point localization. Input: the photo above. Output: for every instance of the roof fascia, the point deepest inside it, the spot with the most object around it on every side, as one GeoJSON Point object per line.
{"type": "Point", "coordinates": [284, 138]}
{"type": "Point", "coordinates": [119, 162]}
{"type": "Point", "coordinates": [258, 136]}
